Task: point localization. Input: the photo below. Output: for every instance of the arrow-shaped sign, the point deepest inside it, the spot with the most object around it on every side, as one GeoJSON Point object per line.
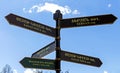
{"type": "Point", "coordinates": [31, 25]}
{"type": "Point", "coordinates": [87, 21]}
{"type": "Point", "coordinates": [82, 59]}
{"type": "Point", "coordinates": [45, 50]}
{"type": "Point", "coordinates": [38, 63]}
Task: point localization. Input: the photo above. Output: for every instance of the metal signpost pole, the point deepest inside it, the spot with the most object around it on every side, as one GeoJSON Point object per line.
{"type": "Point", "coordinates": [57, 17]}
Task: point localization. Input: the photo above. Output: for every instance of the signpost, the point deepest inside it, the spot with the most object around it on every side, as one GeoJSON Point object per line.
{"type": "Point", "coordinates": [81, 59]}
{"type": "Point", "coordinates": [45, 50]}
{"type": "Point", "coordinates": [31, 25]}
{"type": "Point", "coordinates": [34, 62]}
{"type": "Point", "coordinates": [38, 63]}
{"type": "Point", "coordinates": [87, 21]}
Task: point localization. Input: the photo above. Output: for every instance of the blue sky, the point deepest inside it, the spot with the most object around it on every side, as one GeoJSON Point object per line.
{"type": "Point", "coordinates": [97, 41]}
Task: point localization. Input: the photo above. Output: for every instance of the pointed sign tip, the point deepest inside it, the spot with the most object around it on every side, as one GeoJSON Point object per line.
{"type": "Point", "coordinates": [21, 61]}
{"type": "Point", "coordinates": [8, 17]}
{"type": "Point", "coordinates": [99, 63]}
{"type": "Point", "coordinates": [113, 18]}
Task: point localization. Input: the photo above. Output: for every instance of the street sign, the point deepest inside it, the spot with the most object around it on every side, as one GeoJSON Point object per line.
{"type": "Point", "coordinates": [87, 21]}
{"type": "Point", "coordinates": [45, 50]}
{"type": "Point", "coordinates": [82, 59]}
{"type": "Point", "coordinates": [38, 63]}
{"type": "Point", "coordinates": [31, 25]}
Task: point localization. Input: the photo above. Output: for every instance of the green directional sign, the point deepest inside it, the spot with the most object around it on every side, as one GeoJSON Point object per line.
{"type": "Point", "coordinates": [82, 59]}
{"type": "Point", "coordinates": [31, 25]}
{"type": "Point", "coordinates": [87, 21]}
{"type": "Point", "coordinates": [38, 63]}
{"type": "Point", "coordinates": [45, 50]}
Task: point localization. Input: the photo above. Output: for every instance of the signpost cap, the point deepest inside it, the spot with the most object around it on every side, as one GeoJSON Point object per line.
{"type": "Point", "coordinates": [57, 15]}
{"type": "Point", "coordinates": [58, 11]}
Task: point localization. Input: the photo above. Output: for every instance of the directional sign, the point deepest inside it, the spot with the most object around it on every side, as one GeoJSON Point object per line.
{"type": "Point", "coordinates": [88, 21]}
{"type": "Point", "coordinates": [44, 51]}
{"type": "Point", "coordinates": [38, 63]}
{"type": "Point", "coordinates": [31, 25]}
{"type": "Point", "coordinates": [82, 59]}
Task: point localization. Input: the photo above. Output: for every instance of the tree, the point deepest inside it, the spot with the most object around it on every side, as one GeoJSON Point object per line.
{"type": "Point", "coordinates": [7, 69]}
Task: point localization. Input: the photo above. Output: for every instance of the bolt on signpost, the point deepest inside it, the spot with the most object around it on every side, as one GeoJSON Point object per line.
{"type": "Point", "coordinates": [36, 60]}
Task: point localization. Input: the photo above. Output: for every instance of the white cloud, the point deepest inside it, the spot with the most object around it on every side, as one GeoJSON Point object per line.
{"type": "Point", "coordinates": [75, 12]}
{"type": "Point", "coordinates": [29, 71]}
{"type": "Point", "coordinates": [15, 71]}
{"type": "Point", "coordinates": [50, 7]}
{"type": "Point", "coordinates": [32, 71]}
{"type": "Point", "coordinates": [109, 5]}
{"type": "Point", "coordinates": [105, 72]}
